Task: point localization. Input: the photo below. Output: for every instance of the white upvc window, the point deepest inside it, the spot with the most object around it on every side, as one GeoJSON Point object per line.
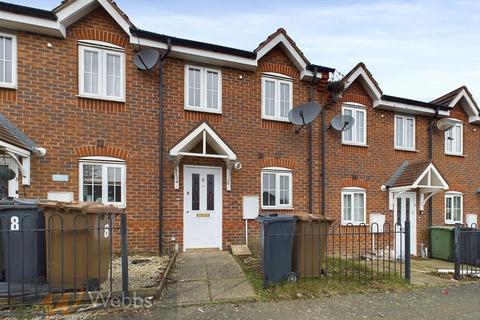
{"type": "Point", "coordinates": [103, 180]}
{"type": "Point", "coordinates": [101, 73]}
{"type": "Point", "coordinates": [404, 132]}
{"type": "Point", "coordinates": [353, 206]}
{"type": "Point", "coordinates": [454, 139]}
{"type": "Point", "coordinates": [8, 61]}
{"type": "Point", "coordinates": [203, 89]}
{"type": "Point", "coordinates": [357, 135]}
{"type": "Point", "coordinates": [453, 207]}
{"type": "Point", "coordinates": [276, 188]}
{"type": "Point", "coordinates": [277, 97]}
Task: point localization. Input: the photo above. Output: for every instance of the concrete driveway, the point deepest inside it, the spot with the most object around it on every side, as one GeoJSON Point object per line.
{"type": "Point", "coordinates": [205, 277]}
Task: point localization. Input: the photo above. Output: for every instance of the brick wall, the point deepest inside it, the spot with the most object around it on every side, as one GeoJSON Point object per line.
{"type": "Point", "coordinates": [370, 167]}
{"type": "Point", "coordinates": [47, 109]}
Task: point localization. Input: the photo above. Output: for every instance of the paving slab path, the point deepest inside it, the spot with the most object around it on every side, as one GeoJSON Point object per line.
{"type": "Point", "coordinates": [207, 276]}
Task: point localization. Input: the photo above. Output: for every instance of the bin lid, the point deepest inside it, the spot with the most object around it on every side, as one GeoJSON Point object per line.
{"type": "Point", "coordinates": [13, 203]}
{"type": "Point", "coordinates": [274, 217]}
{"type": "Point", "coordinates": [316, 218]}
{"type": "Point", "coordinates": [83, 207]}
{"type": "Point", "coordinates": [441, 228]}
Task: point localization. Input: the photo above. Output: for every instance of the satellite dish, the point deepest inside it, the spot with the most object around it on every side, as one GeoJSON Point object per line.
{"type": "Point", "coordinates": [446, 123]}
{"type": "Point", "coordinates": [304, 114]}
{"type": "Point", "coordinates": [342, 122]}
{"type": "Point", "coordinates": [146, 59]}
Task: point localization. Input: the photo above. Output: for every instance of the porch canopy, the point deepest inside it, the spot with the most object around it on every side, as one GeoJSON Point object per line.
{"type": "Point", "coordinates": [19, 147]}
{"type": "Point", "coordinates": [203, 142]}
{"type": "Point", "coordinates": [420, 176]}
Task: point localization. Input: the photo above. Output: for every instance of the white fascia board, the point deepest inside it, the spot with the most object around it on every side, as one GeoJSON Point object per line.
{"type": "Point", "coordinates": [291, 52]}
{"type": "Point", "coordinates": [198, 55]}
{"type": "Point", "coordinates": [178, 149]}
{"type": "Point", "coordinates": [469, 107]}
{"type": "Point", "coordinates": [437, 174]}
{"type": "Point", "coordinates": [373, 91]}
{"type": "Point", "coordinates": [407, 108]}
{"type": "Point", "coordinates": [15, 150]}
{"type": "Point", "coordinates": [21, 22]}
{"type": "Point", "coordinates": [76, 10]}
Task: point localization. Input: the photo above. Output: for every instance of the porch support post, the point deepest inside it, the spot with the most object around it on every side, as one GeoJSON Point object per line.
{"type": "Point", "coordinates": [176, 173]}
{"type": "Point", "coordinates": [229, 175]}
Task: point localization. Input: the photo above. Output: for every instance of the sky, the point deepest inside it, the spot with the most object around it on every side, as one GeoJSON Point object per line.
{"type": "Point", "coordinates": [414, 49]}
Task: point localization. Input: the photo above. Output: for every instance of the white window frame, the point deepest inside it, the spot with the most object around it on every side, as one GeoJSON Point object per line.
{"type": "Point", "coordinates": [355, 108]}
{"type": "Point", "coordinates": [14, 83]}
{"type": "Point", "coordinates": [352, 192]}
{"type": "Point", "coordinates": [405, 133]}
{"type": "Point", "coordinates": [103, 51]}
{"type": "Point", "coordinates": [452, 195]}
{"type": "Point", "coordinates": [278, 172]}
{"type": "Point", "coordinates": [105, 162]}
{"type": "Point", "coordinates": [278, 80]}
{"type": "Point", "coordinates": [203, 89]}
{"type": "Point", "coordinates": [454, 142]}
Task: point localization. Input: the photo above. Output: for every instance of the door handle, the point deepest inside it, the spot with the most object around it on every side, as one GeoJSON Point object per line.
{"type": "Point", "coordinates": [188, 211]}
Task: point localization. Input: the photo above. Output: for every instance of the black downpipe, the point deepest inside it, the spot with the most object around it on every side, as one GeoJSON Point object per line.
{"type": "Point", "coordinates": [324, 162]}
{"type": "Point", "coordinates": [161, 145]}
{"type": "Point", "coordinates": [310, 148]}
{"type": "Point", "coordinates": [430, 157]}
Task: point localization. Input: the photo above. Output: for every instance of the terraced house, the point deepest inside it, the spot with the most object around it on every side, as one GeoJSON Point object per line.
{"type": "Point", "coordinates": [186, 146]}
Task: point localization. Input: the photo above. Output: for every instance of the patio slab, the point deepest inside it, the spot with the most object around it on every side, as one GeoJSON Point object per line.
{"type": "Point", "coordinates": [205, 277]}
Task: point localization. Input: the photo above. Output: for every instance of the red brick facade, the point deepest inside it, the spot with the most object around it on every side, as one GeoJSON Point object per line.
{"type": "Point", "coordinates": [46, 107]}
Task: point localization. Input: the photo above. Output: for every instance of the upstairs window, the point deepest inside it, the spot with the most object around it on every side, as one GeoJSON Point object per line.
{"type": "Point", "coordinates": [358, 133]}
{"type": "Point", "coordinates": [404, 132]}
{"type": "Point", "coordinates": [203, 89]}
{"type": "Point", "coordinates": [276, 188]}
{"type": "Point", "coordinates": [101, 73]}
{"type": "Point", "coordinates": [277, 98]}
{"type": "Point", "coordinates": [102, 180]}
{"type": "Point", "coordinates": [8, 61]}
{"type": "Point", "coordinates": [454, 140]}
{"type": "Point", "coordinates": [453, 207]}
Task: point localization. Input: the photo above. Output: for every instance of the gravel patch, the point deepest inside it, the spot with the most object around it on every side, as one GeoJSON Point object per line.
{"type": "Point", "coordinates": [143, 271]}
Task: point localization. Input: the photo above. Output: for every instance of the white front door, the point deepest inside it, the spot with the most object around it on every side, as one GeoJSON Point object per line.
{"type": "Point", "coordinates": [405, 204]}
{"type": "Point", "coordinates": [202, 217]}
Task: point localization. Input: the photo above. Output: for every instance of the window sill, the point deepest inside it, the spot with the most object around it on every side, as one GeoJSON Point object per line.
{"type": "Point", "coordinates": [8, 86]}
{"type": "Point", "coordinates": [406, 150]}
{"type": "Point", "coordinates": [84, 96]}
{"type": "Point", "coordinates": [278, 209]}
{"type": "Point", "coordinates": [355, 144]}
{"type": "Point", "coordinates": [204, 110]}
{"type": "Point", "coordinates": [455, 155]}
{"type": "Point", "coordinates": [453, 223]}
{"type": "Point", "coordinates": [276, 119]}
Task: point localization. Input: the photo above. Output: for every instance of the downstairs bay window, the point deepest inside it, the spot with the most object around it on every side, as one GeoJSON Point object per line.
{"type": "Point", "coordinates": [103, 180]}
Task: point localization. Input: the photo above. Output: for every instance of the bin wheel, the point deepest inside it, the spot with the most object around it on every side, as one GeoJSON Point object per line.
{"type": "Point", "coordinates": [292, 277]}
{"type": "Point", "coordinates": [93, 284]}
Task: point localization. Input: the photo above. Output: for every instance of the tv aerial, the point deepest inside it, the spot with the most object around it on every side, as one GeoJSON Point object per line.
{"type": "Point", "coordinates": [446, 123]}
{"type": "Point", "coordinates": [342, 122]}
{"type": "Point", "coordinates": [146, 59]}
{"type": "Point", "coordinates": [304, 114]}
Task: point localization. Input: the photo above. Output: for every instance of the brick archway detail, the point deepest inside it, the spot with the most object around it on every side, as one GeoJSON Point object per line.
{"type": "Point", "coordinates": [114, 152]}
{"type": "Point", "coordinates": [278, 162]}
